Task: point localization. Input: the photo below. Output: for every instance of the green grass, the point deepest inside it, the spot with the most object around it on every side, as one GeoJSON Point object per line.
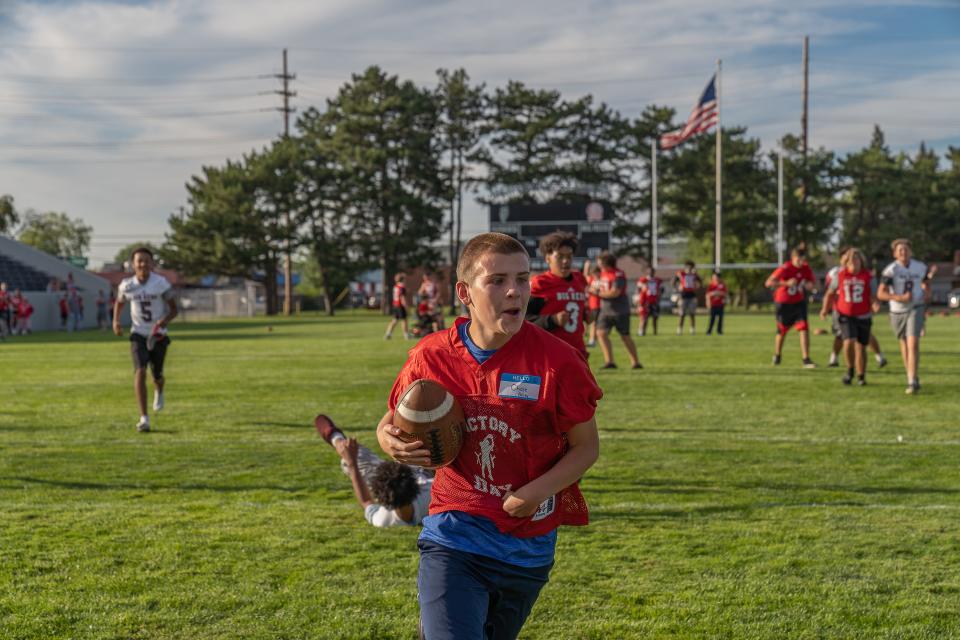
{"type": "Point", "coordinates": [732, 499]}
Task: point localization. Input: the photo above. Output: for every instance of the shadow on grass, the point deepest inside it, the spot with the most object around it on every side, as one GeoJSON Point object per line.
{"type": "Point", "coordinates": [145, 486]}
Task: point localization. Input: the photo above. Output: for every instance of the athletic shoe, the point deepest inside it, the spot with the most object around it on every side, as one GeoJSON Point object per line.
{"type": "Point", "coordinates": [387, 336]}
{"type": "Point", "coordinates": [592, 343]}
{"type": "Point", "coordinates": [637, 366]}
{"type": "Point", "coordinates": [847, 378]}
{"type": "Point", "coordinates": [143, 426]}
{"type": "Point", "coordinates": [679, 331]}
{"type": "Point", "coordinates": [881, 362]}
{"type": "Point", "coordinates": [609, 365]}
{"type": "Point", "coordinates": [776, 359]}
{"type": "Point", "coordinates": [326, 428]}
{"type": "Point", "coordinates": [157, 401]}
{"type": "Point", "coordinates": [640, 333]}
{"type": "Point", "coordinates": [834, 363]}
{"type": "Point", "coordinates": [693, 331]}
{"type": "Point", "coordinates": [861, 381]}
{"type": "Point", "coordinates": [911, 389]}
{"type": "Point", "coordinates": [809, 364]}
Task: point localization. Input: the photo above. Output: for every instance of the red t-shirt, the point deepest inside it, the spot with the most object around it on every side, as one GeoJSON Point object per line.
{"type": "Point", "coordinates": [593, 300]}
{"type": "Point", "coordinates": [853, 293]}
{"type": "Point", "coordinates": [518, 405]}
{"type": "Point", "coordinates": [614, 279]}
{"type": "Point", "coordinates": [399, 295]}
{"type": "Point", "coordinates": [3, 300]}
{"type": "Point", "coordinates": [721, 298]}
{"type": "Point", "coordinates": [564, 295]}
{"type": "Point", "coordinates": [796, 293]}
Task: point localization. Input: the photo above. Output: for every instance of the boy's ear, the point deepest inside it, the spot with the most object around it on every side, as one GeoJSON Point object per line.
{"type": "Point", "coordinates": [463, 292]}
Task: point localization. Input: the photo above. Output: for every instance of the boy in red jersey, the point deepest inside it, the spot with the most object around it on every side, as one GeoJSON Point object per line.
{"type": "Point", "coordinates": [850, 292]}
{"type": "Point", "coordinates": [649, 288]}
{"type": "Point", "coordinates": [792, 280]}
{"type": "Point", "coordinates": [592, 272]}
{"type": "Point", "coordinates": [716, 300]}
{"type": "Point", "coordinates": [4, 311]}
{"type": "Point", "coordinates": [487, 545]}
{"type": "Point", "coordinates": [686, 282]}
{"type": "Point", "coordinates": [558, 298]}
{"type": "Point", "coordinates": [398, 306]}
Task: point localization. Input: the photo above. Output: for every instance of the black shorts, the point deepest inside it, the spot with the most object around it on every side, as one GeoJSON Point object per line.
{"type": "Point", "coordinates": [400, 313]}
{"type": "Point", "coordinates": [593, 314]}
{"type": "Point", "coordinates": [652, 309]}
{"type": "Point", "coordinates": [142, 357]}
{"type": "Point", "coordinates": [607, 321]}
{"type": "Point", "coordinates": [791, 313]}
{"type": "Point", "coordinates": [853, 328]}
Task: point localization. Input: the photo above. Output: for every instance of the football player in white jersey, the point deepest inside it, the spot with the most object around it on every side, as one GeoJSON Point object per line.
{"type": "Point", "coordinates": [904, 285]}
{"type": "Point", "coordinates": [152, 307]}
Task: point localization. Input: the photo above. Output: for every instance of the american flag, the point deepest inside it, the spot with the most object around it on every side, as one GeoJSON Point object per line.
{"type": "Point", "coordinates": [705, 114]}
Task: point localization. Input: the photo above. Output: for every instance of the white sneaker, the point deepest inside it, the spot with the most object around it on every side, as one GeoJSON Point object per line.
{"type": "Point", "coordinates": [157, 401]}
{"type": "Point", "coordinates": [693, 331]}
{"type": "Point", "coordinates": [144, 425]}
{"type": "Point", "coordinates": [679, 331]}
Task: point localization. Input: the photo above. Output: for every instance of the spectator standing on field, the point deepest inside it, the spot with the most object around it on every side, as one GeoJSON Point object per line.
{"type": "Point", "coordinates": [687, 282]}
{"type": "Point", "coordinates": [716, 300]}
{"type": "Point", "coordinates": [5, 316]}
{"type": "Point", "coordinates": [904, 284]}
{"type": "Point", "coordinates": [101, 311]}
{"type": "Point", "coordinates": [64, 306]}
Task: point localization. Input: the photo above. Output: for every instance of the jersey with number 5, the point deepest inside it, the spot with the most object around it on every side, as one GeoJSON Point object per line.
{"type": "Point", "coordinates": [564, 294]}
{"type": "Point", "coordinates": [148, 301]}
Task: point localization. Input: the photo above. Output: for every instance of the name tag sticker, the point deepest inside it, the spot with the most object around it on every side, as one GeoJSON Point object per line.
{"type": "Point", "coordinates": [519, 386]}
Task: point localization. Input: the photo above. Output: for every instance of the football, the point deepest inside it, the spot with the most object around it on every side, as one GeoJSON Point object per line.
{"type": "Point", "coordinates": [429, 413]}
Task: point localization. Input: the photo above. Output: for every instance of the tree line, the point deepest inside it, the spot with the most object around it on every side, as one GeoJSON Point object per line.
{"type": "Point", "coordinates": [377, 177]}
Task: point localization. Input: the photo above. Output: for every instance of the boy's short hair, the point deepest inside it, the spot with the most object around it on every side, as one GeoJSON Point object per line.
{"type": "Point", "coordinates": [800, 250]}
{"type": "Point", "coordinates": [716, 272]}
{"type": "Point", "coordinates": [397, 277]}
{"type": "Point", "coordinates": [896, 243]}
{"type": "Point", "coordinates": [145, 250]}
{"type": "Point", "coordinates": [393, 485]}
{"type": "Point", "coordinates": [553, 241]}
{"type": "Point", "coordinates": [689, 263]}
{"type": "Point", "coordinates": [484, 243]}
{"type": "Point", "coordinates": [607, 260]}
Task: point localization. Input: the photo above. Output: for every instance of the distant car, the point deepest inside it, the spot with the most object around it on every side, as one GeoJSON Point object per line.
{"type": "Point", "coordinates": [953, 299]}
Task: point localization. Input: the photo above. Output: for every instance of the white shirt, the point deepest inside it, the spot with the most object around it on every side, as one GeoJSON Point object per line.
{"type": "Point", "coordinates": [147, 301]}
{"type": "Point", "coordinates": [380, 516]}
{"type": "Point", "coordinates": [900, 279]}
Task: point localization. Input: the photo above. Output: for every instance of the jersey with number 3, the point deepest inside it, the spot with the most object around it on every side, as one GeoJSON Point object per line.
{"type": "Point", "coordinates": [563, 294]}
{"type": "Point", "coordinates": [148, 301]}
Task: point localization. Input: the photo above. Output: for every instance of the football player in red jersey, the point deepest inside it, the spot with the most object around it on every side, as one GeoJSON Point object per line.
{"type": "Point", "coordinates": [614, 311]}
{"type": "Point", "coordinates": [487, 545]}
{"type": "Point", "coordinates": [792, 281]}
{"type": "Point", "coordinates": [398, 306]}
{"type": "Point", "coordinates": [687, 281]}
{"type": "Point", "coordinates": [716, 300]}
{"type": "Point", "coordinates": [558, 297]}
{"type": "Point", "coordinates": [592, 273]}
{"type": "Point", "coordinates": [649, 290]}
{"type": "Point", "coordinates": [851, 293]}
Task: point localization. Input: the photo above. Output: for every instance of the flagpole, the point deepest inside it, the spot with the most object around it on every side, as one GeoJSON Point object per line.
{"type": "Point", "coordinates": [719, 206]}
{"type": "Point", "coordinates": [780, 243]}
{"type": "Point", "coordinates": [653, 205]}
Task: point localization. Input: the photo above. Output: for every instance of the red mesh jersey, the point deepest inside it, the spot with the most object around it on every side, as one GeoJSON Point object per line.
{"type": "Point", "coordinates": [564, 295]}
{"type": "Point", "coordinates": [518, 406]}
{"type": "Point", "coordinates": [796, 293]}
{"type": "Point", "coordinates": [853, 293]}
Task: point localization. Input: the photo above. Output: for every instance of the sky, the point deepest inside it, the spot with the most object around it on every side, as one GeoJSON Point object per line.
{"type": "Point", "coordinates": [107, 108]}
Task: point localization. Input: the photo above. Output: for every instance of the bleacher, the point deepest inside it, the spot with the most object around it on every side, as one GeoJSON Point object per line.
{"type": "Point", "coordinates": [19, 276]}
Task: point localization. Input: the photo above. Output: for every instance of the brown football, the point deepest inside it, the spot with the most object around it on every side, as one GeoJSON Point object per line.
{"type": "Point", "coordinates": [429, 413]}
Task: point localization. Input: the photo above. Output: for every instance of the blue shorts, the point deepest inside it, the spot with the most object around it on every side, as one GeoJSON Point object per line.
{"type": "Point", "coordinates": [465, 596]}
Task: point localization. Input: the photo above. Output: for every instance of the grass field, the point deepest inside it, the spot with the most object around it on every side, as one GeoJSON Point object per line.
{"type": "Point", "coordinates": [732, 499]}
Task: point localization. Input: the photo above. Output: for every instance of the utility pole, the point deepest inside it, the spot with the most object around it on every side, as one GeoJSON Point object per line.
{"type": "Point", "coordinates": [287, 110]}
{"type": "Point", "coordinates": [806, 95]}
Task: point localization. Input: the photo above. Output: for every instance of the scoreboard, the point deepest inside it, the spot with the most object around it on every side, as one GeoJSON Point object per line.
{"type": "Point", "coordinates": [591, 222]}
